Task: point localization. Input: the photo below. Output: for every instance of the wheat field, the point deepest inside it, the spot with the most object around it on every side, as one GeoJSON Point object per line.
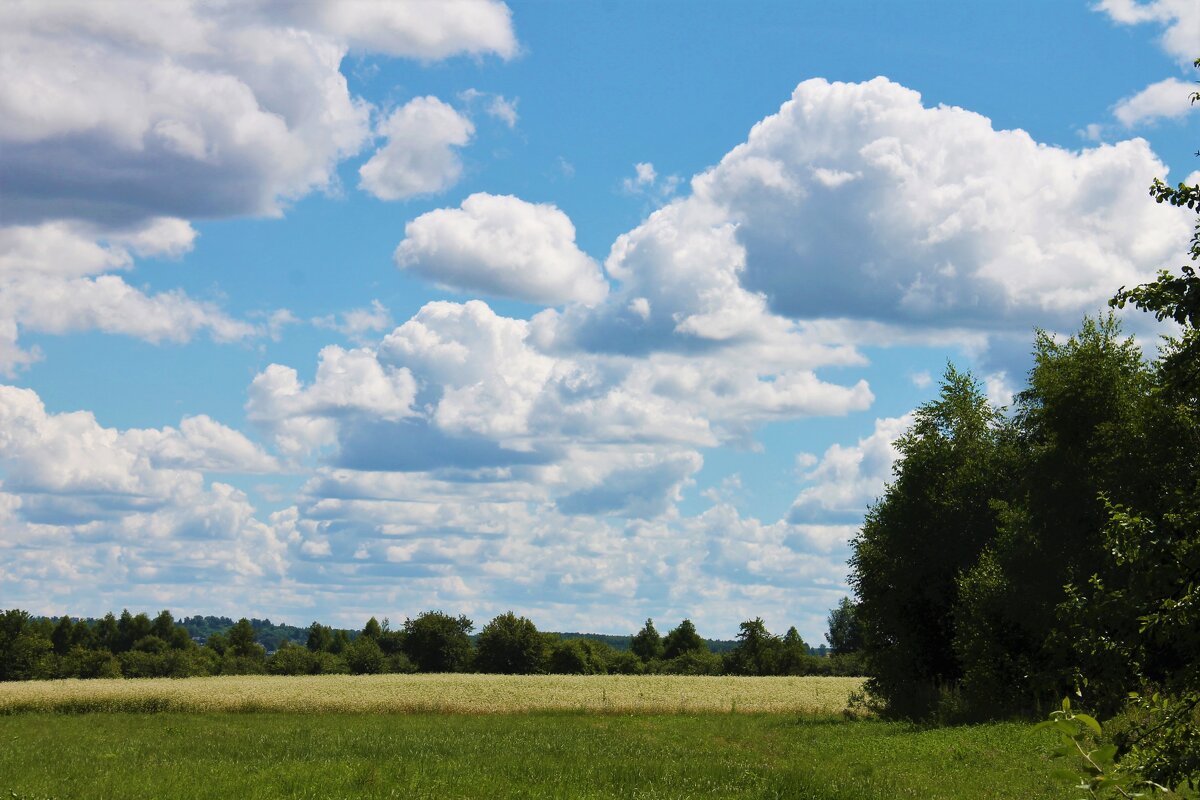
{"type": "Point", "coordinates": [456, 693]}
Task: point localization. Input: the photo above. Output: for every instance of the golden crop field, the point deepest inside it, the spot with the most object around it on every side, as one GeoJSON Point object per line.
{"type": "Point", "coordinates": [458, 693]}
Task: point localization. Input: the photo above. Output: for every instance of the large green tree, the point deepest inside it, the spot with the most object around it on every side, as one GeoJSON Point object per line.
{"type": "Point", "coordinates": [511, 645]}
{"type": "Point", "coordinates": [934, 520]}
{"type": "Point", "coordinates": [683, 639]}
{"type": "Point", "coordinates": [438, 642]}
{"type": "Point", "coordinates": [647, 643]}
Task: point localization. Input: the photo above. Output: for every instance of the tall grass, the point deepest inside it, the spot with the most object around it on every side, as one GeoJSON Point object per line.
{"type": "Point", "coordinates": [470, 694]}
{"type": "Point", "coordinates": [564, 756]}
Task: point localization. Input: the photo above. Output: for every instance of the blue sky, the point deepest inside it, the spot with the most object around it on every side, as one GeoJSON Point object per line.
{"type": "Point", "coordinates": [592, 311]}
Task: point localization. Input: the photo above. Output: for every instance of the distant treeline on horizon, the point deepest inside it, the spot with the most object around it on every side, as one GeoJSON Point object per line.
{"type": "Point", "coordinates": [138, 646]}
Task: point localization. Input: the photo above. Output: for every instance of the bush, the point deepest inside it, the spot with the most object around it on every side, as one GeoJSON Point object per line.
{"type": "Point", "coordinates": [80, 662]}
{"type": "Point", "coordinates": [363, 656]}
{"type": "Point", "coordinates": [576, 657]}
{"type": "Point", "coordinates": [692, 662]}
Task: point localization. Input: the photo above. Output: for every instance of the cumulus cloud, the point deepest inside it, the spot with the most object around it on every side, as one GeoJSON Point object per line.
{"type": "Point", "coordinates": [55, 277]}
{"type": "Point", "coordinates": [646, 181]}
{"type": "Point", "coordinates": [1167, 99]}
{"type": "Point", "coordinates": [419, 154]}
{"type": "Point", "coordinates": [468, 396]}
{"type": "Point", "coordinates": [984, 231]}
{"type": "Point", "coordinates": [242, 105]}
{"type": "Point", "coordinates": [1180, 18]}
{"type": "Point", "coordinates": [424, 29]}
{"type": "Point", "coordinates": [125, 510]}
{"type": "Point", "coordinates": [503, 246]}
{"type": "Point", "coordinates": [300, 418]}
{"type": "Point", "coordinates": [494, 105]}
{"type": "Point", "coordinates": [848, 478]}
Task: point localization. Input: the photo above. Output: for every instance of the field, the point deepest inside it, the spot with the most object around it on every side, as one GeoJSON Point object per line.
{"type": "Point", "coordinates": [463, 694]}
{"type": "Point", "coordinates": [645, 738]}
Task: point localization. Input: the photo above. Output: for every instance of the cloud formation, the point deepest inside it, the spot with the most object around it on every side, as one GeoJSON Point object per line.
{"type": "Point", "coordinates": [244, 107]}
{"type": "Point", "coordinates": [1179, 18]}
{"type": "Point", "coordinates": [1167, 99]}
{"type": "Point", "coordinates": [418, 156]}
{"type": "Point", "coordinates": [856, 201]}
{"type": "Point", "coordinates": [502, 246]}
{"type": "Point", "coordinates": [92, 510]}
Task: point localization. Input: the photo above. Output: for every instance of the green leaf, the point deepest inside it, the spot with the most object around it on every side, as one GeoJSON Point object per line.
{"type": "Point", "coordinates": [1105, 755]}
{"type": "Point", "coordinates": [1090, 722]}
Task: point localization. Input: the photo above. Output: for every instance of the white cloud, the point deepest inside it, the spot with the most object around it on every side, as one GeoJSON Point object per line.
{"type": "Point", "coordinates": [122, 510]}
{"type": "Point", "coordinates": [983, 230]}
{"type": "Point", "coordinates": [357, 323]}
{"type": "Point", "coordinates": [847, 479]}
{"type": "Point", "coordinates": [645, 181]}
{"type": "Point", "coordinates": [244, 107]}
{"type": "Point", "coordinates": [51, 281]}
{"type": "Point", "coordinates": [1181, 19]}
{"type": "Point", "coordinates": [424, 29]}
{"type": "Point", "coordinates": [504, 246]}
{"type": "Point", "coordinates": [1166, 99]}
{"type": "Point", "coordinates": [494, 105]}
{"type": "Point", "coordinates": [300, 418]}
{"type": "Point", "coordinates": [418, 156]}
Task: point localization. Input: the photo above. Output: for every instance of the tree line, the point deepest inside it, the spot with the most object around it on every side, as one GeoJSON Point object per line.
{"type": "Point", "coordinates": [1051, 549]}
{"type": "Point", "coordinates": [138, 646]}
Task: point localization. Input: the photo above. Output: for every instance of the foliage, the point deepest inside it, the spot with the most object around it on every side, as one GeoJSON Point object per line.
{"type": "Point", "coordinates": [845, 632]}
{"type": "Point", "coordinates": [438, 642]}
{"type": "Point", "coordinates": [757, 651]}
{"type": "Point", "coordinates": [683, 639]}
{"type": "Point", "coordinates": [647, 644]}
{"type": "Point", "coordinates": [932, 523]}
{"type": "Point", "coordinates": [1096, 772]}
{"type": "Point", "coordinates": [512, 645]}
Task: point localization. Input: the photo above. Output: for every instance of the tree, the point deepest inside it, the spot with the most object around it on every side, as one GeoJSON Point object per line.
{"type": "Point", "coordinates": [757, 651]}
{"type": "Point", "coordinates": [844, 635]}
{"type": "Point", "coordinates": [510, 645]}
{"type": "Point", "coordinates": [793, 657]}
{"type": "Point", "coordinates": [931, 524]}
{"type": "Point", "coordinates": [683, 639]}
{"type": "Point", "coordinates": [242, 641]}
{"type": "Point", "coordinates": [438, 642]}
{"type": "Point", "coordinates": [1089, 428]}
{"type": "Point", "coordinates": [1141, 610]}
{"type": "Point", "coordinates": [320, 638]}
{"type": "Point", "coordinates": [647, 644]}
{"type": "Point", "coordinates": [372, 630]}
{"type": "Point", "coordinates": [64, 631]}
{"type": "Point", "coordinates": [24, 654]}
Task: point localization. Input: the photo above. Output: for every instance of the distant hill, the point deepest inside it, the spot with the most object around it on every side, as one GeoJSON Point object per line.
{"type": "Point", "coordinates": [625, 642]}
{"type": "Point", "coordinates": [269, 634]}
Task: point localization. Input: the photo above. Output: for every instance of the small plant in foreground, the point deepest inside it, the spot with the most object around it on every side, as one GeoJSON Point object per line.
{"type": "Point", "coordinates": [1098, 774]}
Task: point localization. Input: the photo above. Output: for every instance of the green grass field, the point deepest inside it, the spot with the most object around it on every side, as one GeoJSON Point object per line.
{"type": "Point", "coordinates": [481, 736]}
{"type": "Point", "coordinates": [535, 755]}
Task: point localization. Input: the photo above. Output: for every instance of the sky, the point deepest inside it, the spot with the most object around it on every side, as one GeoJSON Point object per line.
{"type": "Point", "coordinates": [592, 311]}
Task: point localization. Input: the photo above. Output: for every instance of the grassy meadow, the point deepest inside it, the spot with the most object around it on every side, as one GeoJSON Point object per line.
{"type": "Point", "coordinates": [562, 755]}
{"type": "Point", "coordinates": [482, 736]}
